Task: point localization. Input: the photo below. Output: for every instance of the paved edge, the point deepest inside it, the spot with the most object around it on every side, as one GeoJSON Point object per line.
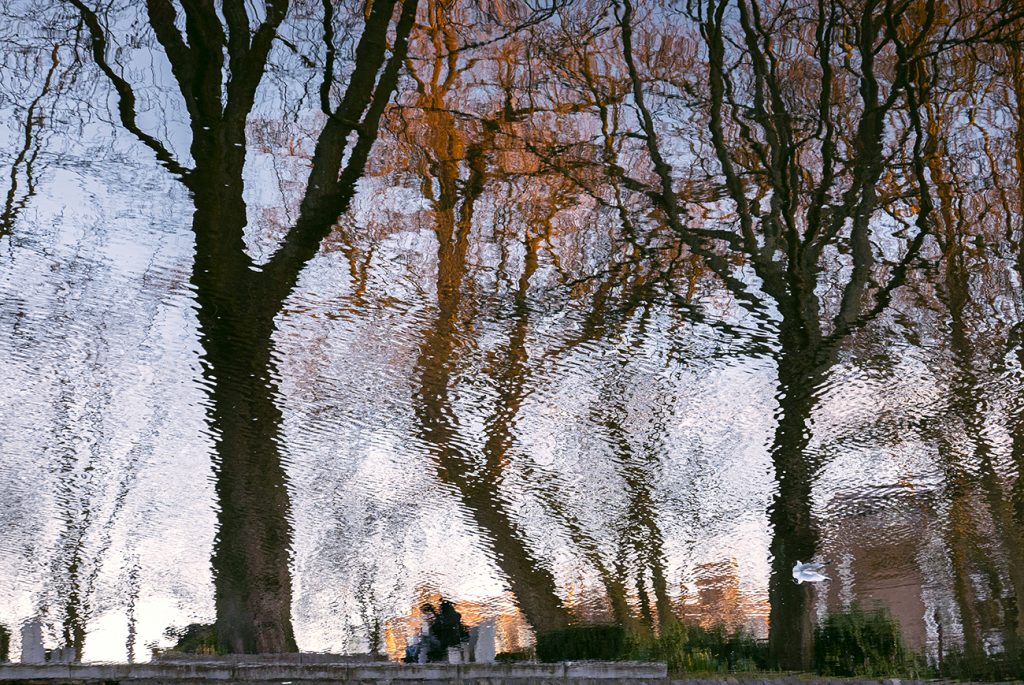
{"type": "Point", "coordinates": [389, 672]}
{"type": "Point", "coordinates": [258, 672]}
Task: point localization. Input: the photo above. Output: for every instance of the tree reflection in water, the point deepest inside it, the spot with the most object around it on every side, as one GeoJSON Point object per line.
{"type": "Point", "coordinates": [583, 226]}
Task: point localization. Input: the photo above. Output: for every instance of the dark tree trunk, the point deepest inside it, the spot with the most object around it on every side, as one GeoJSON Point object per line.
{"type": "Point", "coordinates": [794, 535]}
{"type": "Point", "coordinates": [478, 488]}
{"type": "Point", "coordinates": [252, 550]}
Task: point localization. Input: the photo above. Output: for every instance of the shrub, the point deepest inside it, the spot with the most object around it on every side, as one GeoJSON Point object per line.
{"type": "Point", "coordinates": [685, 648]}
{"type": "Point", "coordinates": [860, 643]}
{"type": "Point", "coordinates": [688, 648]}
{"type": "Point", "coordinates": [596, 641]}
{"type": "Point", "coordinates": [195, 638]}
{"type": "Point", "coordinates": [1002, 666]}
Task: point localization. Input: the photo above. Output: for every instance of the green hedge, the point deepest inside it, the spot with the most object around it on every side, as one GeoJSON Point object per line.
{"type": "Point", "coordinates": [849, 643]}
{"type": "Point", "coordinates": [606, 642]}
{"type": "Point", "coordinates": [862, 643]}
{"type": "Point", "coordinates": [693, 649]}
{"type": "Point", "coordinates": [684, 648]}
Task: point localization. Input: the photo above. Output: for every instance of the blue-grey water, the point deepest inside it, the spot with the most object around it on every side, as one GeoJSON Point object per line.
{"type": "Point", "coordinates": [589, 312]}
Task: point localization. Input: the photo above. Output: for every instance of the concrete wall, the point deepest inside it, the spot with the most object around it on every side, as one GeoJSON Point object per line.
{"type": "Point", "coordinates": [235, 670]}
{"type": "Point", "coordinates": [753, 679]}
{"type": "Point", "coordinates": [579, 673]}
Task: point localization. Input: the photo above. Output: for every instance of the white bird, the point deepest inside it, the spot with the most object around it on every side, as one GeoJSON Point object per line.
{"type": "Point", "coordinates": [808, 573]}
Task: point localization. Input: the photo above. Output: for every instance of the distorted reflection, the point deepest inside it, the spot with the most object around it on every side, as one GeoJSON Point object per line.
{"type": "Point", "coordinates": [442, 329]}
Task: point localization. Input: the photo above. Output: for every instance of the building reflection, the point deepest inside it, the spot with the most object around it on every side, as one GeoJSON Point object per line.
{"type": "Point", "coordinates": [717, 600]}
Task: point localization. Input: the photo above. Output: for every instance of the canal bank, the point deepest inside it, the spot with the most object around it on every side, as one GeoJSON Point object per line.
{"type": "Point", "coordinates": [215, 673]}
{"type": "Point", "coordinates": [198, 673]}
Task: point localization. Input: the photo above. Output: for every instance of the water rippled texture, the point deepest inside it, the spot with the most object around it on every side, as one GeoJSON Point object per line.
{"type": "Point", "coordinates": [592, 313]}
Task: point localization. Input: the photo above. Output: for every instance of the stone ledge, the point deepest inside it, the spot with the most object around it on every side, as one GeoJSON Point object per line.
{"type": "Point", "coordinates": [217, 671]}
{"type": "Point", "coordinates": [283, 658]}
{"type": "Point", "coordinates": [258, 672]}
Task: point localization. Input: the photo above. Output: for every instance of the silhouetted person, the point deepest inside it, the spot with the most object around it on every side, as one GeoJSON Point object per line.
{"type": "Point", "coordinates": [448, 631]}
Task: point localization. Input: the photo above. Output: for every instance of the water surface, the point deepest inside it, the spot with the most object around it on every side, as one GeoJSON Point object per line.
{"type": "Point", "coordinates": [577, 313]}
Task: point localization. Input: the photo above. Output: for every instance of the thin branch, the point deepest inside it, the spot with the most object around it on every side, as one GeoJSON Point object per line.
{"type": "Point", "coordinates": [125, 94]}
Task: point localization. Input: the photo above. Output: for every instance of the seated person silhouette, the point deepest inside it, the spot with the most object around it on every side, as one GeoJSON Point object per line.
{"type": "Point", "coordinates": [448, 630]}
{"type": "Point", "coordinates": [441, 630]}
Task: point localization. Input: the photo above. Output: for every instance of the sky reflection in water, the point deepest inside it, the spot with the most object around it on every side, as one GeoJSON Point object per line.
{"type": "Point", "coordinates": [620, 320]}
